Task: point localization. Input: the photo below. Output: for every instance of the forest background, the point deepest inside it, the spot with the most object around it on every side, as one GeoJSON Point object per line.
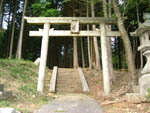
{"type": "Point", "coordinates": [15, 29]}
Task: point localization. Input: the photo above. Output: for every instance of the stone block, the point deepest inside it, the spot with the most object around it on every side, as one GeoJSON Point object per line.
{"type": "Point", "coordinates": [136, 89]}
{"type": "Point", "coordinates": [135, 98]}
{"type": "Point", "coordinates": [1, 93]}
{"type": "Point", "coordinates": [7, 110]}
{"type": "Point", "coordinates": [144, 83]}
{"type": "Point", "coordinates": [7, 95]}
{"type": "Point", "coordinates": [2, 87]}
{"type": "Point", "coordinates": [37, 62]}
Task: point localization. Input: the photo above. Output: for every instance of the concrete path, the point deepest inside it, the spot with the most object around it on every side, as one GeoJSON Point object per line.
{"type": "Point", "coordinates": [71, 103]}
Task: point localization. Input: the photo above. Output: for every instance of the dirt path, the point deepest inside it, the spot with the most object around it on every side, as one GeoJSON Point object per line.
{"type": "Point", "coordinates": [71, 103]}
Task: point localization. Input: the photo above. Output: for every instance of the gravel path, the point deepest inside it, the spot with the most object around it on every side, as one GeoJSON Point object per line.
{"type": "Point", "coordinates": [71, 103]}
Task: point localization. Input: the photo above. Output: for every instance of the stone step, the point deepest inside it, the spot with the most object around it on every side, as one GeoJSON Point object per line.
{"type": "Point", "coordinates": [71, 88]}
{"type": "Point", "coordinates": [62, 86]}
{"type": "Point", "coordinates": [67, 70]}
{"type": "Point", "coordinates": [68, 78]}
{"type": "Point", "coordinates": [67, 74]}
{"type": "Point", "coordinates": [68, 90]}
{"type": "Point", "coordinates": [68, 86]}
{"type": "Point", "coordinates": [68, 81]}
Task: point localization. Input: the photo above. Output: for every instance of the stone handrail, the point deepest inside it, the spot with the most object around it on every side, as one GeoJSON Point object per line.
{"type": "Point", "coordinates": [53, 79]}
{"type": "Point", "coordinates": [83, 81]}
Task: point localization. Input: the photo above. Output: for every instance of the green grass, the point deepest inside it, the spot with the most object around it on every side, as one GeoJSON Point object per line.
{"type": "Point", "coordinates": [20, 77]}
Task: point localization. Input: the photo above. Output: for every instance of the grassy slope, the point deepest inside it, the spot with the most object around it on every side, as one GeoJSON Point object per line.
{"type": "Point", "coordinates": [20, 77]}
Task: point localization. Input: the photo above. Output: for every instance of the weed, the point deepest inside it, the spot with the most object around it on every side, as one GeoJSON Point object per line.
{"type": "Point", "coordinates": [44, 99]}
{"type": "Point", "coordinates": [148, 95]}
{"type": "Point", "coordinates": [4, 103]}
{"type": "Point", "coordinates": [23, 111]}
{"type": "Point", "coordinates": [28, 88]}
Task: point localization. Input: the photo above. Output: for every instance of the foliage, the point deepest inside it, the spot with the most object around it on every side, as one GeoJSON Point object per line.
{"type": "Point", "coordinates": [66, 1]}
{"type": "Point", "coordinates": [44, 10]}
{"type": "Point", "coordinates": [129, 10]}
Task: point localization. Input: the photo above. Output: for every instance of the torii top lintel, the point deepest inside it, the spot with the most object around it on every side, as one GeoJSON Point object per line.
{"type": "Point", "coordinates": [68, 20]}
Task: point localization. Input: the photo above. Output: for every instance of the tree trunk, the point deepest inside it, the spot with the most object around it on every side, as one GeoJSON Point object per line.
{"type": "Point", "coordinates": [75, 49]}
{"type": "Point", "coordinates": [112, 76]}
{"type": "Point", "coordinates": [82, 53]}
{"type": "Point", "coordinates": [75, 53]}
{"type": "Point", "coordinates": [8, 34]}
{"type": "Point", "coordinates": [1, 7]}
{"type": "Point", "coordinates": [19, 49]}
{"type": "Point", "coordinates": [88, 40]}
{"type": "Point", "coordinates": [119, 53]}
{"type": "Point", "coordinates": [13, 30]}
{"type": "Point", "coordinates": [127, 45]}
{"type": "Point", "coordinates": [91, 52]}
{"type": "Point", "coordinates": [98, 66]}
{"type": "Point", "coordinates": [137, 12]}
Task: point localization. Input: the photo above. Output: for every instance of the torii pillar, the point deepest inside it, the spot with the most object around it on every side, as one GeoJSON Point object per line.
{"type": "Point", "coordinates": [43, 58]}
{"type": "Point", "coordinates": [105, 61]}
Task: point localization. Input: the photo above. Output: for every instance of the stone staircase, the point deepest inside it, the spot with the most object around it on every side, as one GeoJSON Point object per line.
{"type": "Point", "coordinates": [68, 81]}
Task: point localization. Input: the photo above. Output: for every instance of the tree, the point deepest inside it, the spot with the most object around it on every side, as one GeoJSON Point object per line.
{"type": "Point", "coordinates": [13, 29]}
{"type": "Point", "coordinates": [75, 53]}
{"type": "Point", "coordinates": [127, 45]}
{"type": "Point", "coordinates": [19, 48]}
{"type": "Point", "coordinates": [88, 38]}
{"type": "Point", "coordinates": [75, 50]}
{"type": "Point", "coordinates": [98, 65]}
{"type": "Point", "coordinates": [1, 5]}
{"type": "Point", "coordinates": [10, 7]}
{"type": "Point", "coordinates": [82, 53]}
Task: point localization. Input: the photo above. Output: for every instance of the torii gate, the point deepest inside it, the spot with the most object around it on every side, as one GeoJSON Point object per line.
{"type": "Point", "coordinates": [74, 32]}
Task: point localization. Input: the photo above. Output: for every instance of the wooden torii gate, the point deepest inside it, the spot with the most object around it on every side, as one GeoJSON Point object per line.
{"type": "Point", "coordinates": [75, 31]}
